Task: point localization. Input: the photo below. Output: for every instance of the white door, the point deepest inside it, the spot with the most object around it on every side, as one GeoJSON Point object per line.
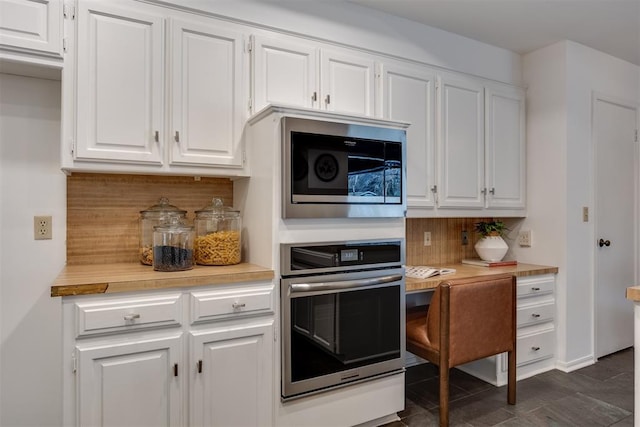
{"type": "Point", "coordinates": [120, 74]}
{"type": "Point", "coordinates": [134, 383]}
{"type": "Point", "coordinates": [615, 223]}
{"type": "Point", "coordinates": [32, 24]}
{"type": "Point", "coordinates": [505, 148]}
{"type": "Point", "coordinates": [232, 384]}
{"type": "Point", "coordinates": [284, 73]}
{"type": "Point", "coordinates": [207, 94]}
{"type": "Point", "coordinates": [460, 146]}
{"type": "Point", "coordinates": [409, 95]}
{"type": "Point", "coordinates": [347, 82]}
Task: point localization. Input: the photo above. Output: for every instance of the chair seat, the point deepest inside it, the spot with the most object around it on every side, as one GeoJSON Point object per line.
{"type": "Point", "coordinates": [417, 340]}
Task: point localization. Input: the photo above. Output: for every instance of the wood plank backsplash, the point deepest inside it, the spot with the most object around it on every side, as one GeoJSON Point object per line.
{"type": "Point", "coordinates": [446, 241]}
{"type": "Point", "coordinates": [103, 210]}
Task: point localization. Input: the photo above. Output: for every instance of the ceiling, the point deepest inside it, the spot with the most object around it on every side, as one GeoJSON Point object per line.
{"type": "Point", "coordinates": [522, 26]}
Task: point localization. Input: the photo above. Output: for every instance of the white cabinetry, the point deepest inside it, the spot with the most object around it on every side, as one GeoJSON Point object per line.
{"type": "Point", "coordinates": [120, 118]}
{"type": "Point", "coordinates": [31, 29]}
{"type": "Point", "coordinates": [190, 357]}
{"type": "Point", "coordinates": [536, 334]}
{"type": "Point", "coordinates": [408, 94]}
{"type": "Point", "coordinates": [288, 72]}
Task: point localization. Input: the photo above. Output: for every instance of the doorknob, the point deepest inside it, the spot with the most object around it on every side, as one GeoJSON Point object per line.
{"type": "Point", "coordinates": [603, 242]}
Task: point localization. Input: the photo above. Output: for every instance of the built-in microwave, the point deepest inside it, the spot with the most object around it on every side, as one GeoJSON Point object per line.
{"type": "Point", "coordinates": [339, 170]}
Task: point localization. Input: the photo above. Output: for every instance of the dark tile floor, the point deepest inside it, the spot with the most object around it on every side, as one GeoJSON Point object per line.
{"type": "Point", "coordinates": [598, 395]}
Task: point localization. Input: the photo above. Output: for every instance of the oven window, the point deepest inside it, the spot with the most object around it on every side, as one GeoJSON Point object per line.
{"type": "Point", "coordinates": [345, 330]}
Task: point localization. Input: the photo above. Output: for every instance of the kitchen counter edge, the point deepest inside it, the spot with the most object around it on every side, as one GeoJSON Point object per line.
{"type": "Point", "coordinates": [465, 271]}
{"type": "Point", "coordinates": [128, 277]}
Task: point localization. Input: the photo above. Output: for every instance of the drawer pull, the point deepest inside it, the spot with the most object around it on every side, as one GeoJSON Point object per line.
{"type": "Point", "coordinates": [237, 305]}
{"type": "Point", "coordinates": [130, 317]}
{"type": "Point", "coordinates": [536, 315]}
{"type": "Point", "coordinates": [535, 348]}
{"type": "Point", "coordinates": [535, 289]}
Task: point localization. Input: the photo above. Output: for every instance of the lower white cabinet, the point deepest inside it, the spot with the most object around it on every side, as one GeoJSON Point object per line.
{"type": "Point", "coordinates": [536, 334]}
{"type": "Point", "coordinates": [152, 362]}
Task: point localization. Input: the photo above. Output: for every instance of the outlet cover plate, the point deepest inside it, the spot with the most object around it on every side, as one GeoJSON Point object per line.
{"type": "Point", "coordinates": [42, 228]}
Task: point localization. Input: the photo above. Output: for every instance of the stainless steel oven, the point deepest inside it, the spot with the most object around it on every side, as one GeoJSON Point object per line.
{"type": "Point", "coordinates": [343, 314]}
{"type": "Point", "coordinates": [333, 169]}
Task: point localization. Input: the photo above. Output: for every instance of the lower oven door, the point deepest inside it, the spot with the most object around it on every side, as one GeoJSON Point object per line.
{"type": "Point", "coordinates": [341, 328]}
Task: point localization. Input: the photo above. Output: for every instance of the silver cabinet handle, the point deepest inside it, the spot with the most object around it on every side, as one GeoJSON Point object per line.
{"type": "Point", "coordinates": [535, 315]}
{"type": "Point", "coordinates": [535, 289]}
{"type": "Point", "coordinates": [130, 317]}
{"type": "Point", "coordinates": [237, 305]}
{"type": "Point", "coordinates": [328, 99]}
{"type": "Point", "coordinates": [492, 191]}
{"type": "Point", "coordinates": [156, 136]}
{"type": "Point", "coordinates": [534, 348]}
{"type": "Point", "coordinates": [176, 137]}
{"type": "Point", "coordinates": [314, 97]}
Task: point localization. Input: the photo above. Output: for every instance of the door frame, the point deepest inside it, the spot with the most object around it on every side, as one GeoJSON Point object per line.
{"type": "Point", "coordinates": [597, 96]}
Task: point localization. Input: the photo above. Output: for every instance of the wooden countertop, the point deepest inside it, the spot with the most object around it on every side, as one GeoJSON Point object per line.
{"type": "Point", "coordinates": [633, 293]}
{"type": "Point", "coordinates": [125, 277]}
{"type": "Point", "coordinates": [465, 270]}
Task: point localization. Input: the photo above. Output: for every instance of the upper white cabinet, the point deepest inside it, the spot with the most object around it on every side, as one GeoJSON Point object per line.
{"type": "Point", "coordinates": [31, 27]}
{"type": "Point", "coordinates": [156, 91]}
{"type": "Point", "coordinates": [290, 72]}
{"type": "Point", "coordinates": [505, 149]}
{"type": "Point", "coordinates": [460, 154]}
{"type": "Point", "coordinates": [408, 94]}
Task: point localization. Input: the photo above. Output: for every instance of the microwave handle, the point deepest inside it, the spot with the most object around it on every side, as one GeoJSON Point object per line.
{"type": "Point", "coordinates": [343, 284]}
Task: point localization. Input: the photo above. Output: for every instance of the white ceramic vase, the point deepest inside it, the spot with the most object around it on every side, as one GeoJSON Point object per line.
{"type": "Point", "coordinates": [491, 248]}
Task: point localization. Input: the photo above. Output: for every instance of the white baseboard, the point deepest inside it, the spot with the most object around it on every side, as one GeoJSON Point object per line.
{"type": "Point", "coordinates": [575, 364]}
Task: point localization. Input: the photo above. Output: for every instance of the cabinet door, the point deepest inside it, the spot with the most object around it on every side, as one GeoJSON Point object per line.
{"type": "Point", "coordinates": [207, 94]}
{"type": "Point", "coordinates": [131, 383]}
{"type": "Point", "coordinates": [284, 72]}
{"type": "Point", "coordinates": [505, 147]}
{"type": "Point", "coordinates": [408, 94]}
{"type": "Point", "coordinates": [460, 148]}
{"type": "Point", "coordinates": [34, 25]}
{"type": "Point", "coordinates": [347, 82]}
{"type": "Point", "coordinates": [232, 384]}
{"type": "Point", "coordinates": [120, 80]}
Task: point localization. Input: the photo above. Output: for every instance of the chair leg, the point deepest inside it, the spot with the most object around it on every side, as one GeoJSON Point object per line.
{"type": "Point", "coordinates": [444, 396]}
{"type": "Point", "coordinates": [511, 387]}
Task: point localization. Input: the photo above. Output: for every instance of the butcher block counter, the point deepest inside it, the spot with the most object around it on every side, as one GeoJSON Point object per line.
{"type": "Point", "coordinates": [126, 277]}
{"type": "Point", "coordinates": [464, 271]}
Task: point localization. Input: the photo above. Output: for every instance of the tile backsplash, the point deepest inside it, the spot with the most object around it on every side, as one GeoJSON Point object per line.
{"type": "Point", "coordinates": [446, 240]}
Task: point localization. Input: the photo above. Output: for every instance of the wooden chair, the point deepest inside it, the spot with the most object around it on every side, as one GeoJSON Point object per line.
{"type": "Point", "coordinates": [468, 319]}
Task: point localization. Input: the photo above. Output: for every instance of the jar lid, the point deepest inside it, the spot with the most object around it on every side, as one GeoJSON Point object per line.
{"type": "Point", "coordinates": [173, 225]}
{"type": "Point", "coordinates": [217, 209]}
{"type": "Point", "coordinates": [163, 208]}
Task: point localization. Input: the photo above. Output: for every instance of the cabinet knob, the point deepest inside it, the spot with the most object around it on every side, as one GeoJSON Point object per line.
{"type": "Point", "coordinates": [130, 317]}
{"type": "Point", "coordinates": [535, 348]}
{"type": "Point", "coordinates": [237, 305]}
{"type": "Point", "coordinates": [535, 315]}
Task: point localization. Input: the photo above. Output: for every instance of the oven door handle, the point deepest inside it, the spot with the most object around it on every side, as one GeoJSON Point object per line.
{"type": "Point", "coordinates": [343, 284]}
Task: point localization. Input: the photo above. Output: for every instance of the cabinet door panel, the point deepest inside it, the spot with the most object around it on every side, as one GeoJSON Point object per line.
{"type": "Point", "coordinates": [460, 143]}
{"type": "Point", "coordinates": [130, 383]}
{"type": "Point", "coordinates": [31, 24]}
{"type": "Point", "coordinates": [284, 72]}
{"type": "Point", "coordinates": [347, 83]}
{"type": "Point", "coordinates": [120, 63]}
{"type": "Point", "coordinates": [408, 95]}
{"type": "Point", "coordinates": [207, 70]}
{"type": "Point", "coordinates": [505, 147]}
{"type": "Point", "coordinates": [235, 385]}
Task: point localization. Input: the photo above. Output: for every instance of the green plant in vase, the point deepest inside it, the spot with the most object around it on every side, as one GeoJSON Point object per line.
{"type": "Point", "coordinates": [491, 246]}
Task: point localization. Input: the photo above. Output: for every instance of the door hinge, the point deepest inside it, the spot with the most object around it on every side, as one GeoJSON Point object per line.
{"type": "Point", "coordinates": [275, 334]}
{"type": "Point", "coordinates": [244, 157]}
{"type": "Point", "coordinates": [73, 147]}
{"type": "Point", "coordinates": [250, 45]}
{"type": "Point", "coordinates": [64, 44]}
{"type": "Point", "coordinates": [74, 363]}
{"type": "Point", "coordinates": [250, 105]}
{"type": "Point", "coordinates": [636, 135]}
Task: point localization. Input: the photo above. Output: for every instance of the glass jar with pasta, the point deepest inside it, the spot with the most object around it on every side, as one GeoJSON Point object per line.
{"type": "Point", "coordinates": [217, 234]}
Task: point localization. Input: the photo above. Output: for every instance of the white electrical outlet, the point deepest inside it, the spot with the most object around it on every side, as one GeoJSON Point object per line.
{"type": "Point", "coordinates": [42, 228]}
{"type": "Point", "coordinates": [524, 238]}
{"type": "Point", "coordinates": [427, 238]}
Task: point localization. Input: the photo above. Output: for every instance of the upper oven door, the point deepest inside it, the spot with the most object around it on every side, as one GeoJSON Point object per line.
{"type": "Point", "coordinates": [341, 170]}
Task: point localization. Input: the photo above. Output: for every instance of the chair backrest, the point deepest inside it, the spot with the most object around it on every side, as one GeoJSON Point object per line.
{"type": "Point", "coordinates": [470, 319]}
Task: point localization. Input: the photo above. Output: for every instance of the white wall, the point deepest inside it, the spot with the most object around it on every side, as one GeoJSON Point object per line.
{"type": "Point", "coordinates": [561, 80]}
{"type": "Point", "coordinates": [354, 25]}
{"type": "Point", "coordinates": [31, 183]}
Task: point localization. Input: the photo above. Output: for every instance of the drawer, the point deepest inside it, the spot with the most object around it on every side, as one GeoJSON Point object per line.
{"type": "Point", "coordinates": [531, 348]}
{"type": "Point", "coordinates": [128, 314]}
{"type": "Point", "coordinates": [530, 287]}
{"type": "Point", "coordinates": [532, 314]}
{"type": "Point", "coordinates": [230, 303]}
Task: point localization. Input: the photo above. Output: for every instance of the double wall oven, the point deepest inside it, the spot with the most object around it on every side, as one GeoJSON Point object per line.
{"type": "Point", "coordinates": [343, 311]}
